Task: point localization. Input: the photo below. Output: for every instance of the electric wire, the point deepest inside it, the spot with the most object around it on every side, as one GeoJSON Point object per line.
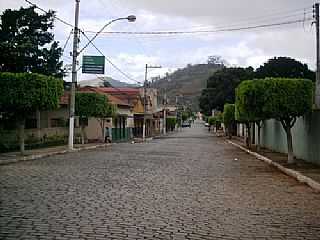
{"type": "Point", "coordinates": [109, 60]}
{"type": "Point", "coordinates": [206, 31]}
{"type": "Point", "coordinates": [111, 63]}
{"type": "Point", "coordinates": [66, 43]}
{"type": "Point", "coordinates": [230, 29]}
{"type": "Point", "coordinates": [125, 11]}
{"type": "Point", "coordinates": [41, 9]}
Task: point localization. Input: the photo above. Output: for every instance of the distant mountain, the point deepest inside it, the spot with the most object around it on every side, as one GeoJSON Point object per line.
{"type": "Point", "coordinates": [100, 82]}
{"type": "Point", "coordinates": [186, 83]}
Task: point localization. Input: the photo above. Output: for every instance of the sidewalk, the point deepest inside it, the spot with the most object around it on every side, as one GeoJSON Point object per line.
{"type": "Point", "coordinates": [12, 157]}
{"type": "Point", "coordinates": [303, 171]}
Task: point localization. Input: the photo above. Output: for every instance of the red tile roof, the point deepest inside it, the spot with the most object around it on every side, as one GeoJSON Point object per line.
{"type": "Point", "coordinates": [129, 91]}
{"type": "Point", "coordinates": [113, 99]}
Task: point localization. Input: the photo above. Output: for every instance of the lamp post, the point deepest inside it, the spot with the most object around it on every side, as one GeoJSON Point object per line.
{"type": "Point", "coordinates": [145, 99]}
{"type": "Point", "coordinates": [75, 55]}
{"type": "Point", "coordinates": [165, 106]}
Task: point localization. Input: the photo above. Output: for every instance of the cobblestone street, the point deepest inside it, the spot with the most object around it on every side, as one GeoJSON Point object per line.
{"type": "Point", "coordinates": [188, 185]}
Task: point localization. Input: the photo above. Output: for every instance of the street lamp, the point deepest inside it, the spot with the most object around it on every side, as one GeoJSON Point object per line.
{"type": "Point", "coordinates": [130, 18]}
{"type": "Point", "coordinates": [165, 107]}
{"type": "Point", "coordinates": [145, 100]}
{"type": "Point", "coordinates": [75, 54]}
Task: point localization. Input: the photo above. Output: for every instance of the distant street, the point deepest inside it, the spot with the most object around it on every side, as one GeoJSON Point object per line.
{"type": "Point", "coordinates": [187, 185]}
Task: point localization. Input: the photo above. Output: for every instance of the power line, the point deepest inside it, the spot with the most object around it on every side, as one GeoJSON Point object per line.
{"type": "Point", "coordinates": [277, 15]}
{"type": "Point", "coordinates": [257, 19]}
{"type": "Point", "coordinates": [65, 44]}
{"type": "Point", "coordinates": [207, 31]}
{"type": "Point", "coordinates": [196, 31]}
{"type": "Point", "coordinates": [41, 9]}
{"type": "Point", "coordinates": [108, 59]}
{"type": "Point", "coordinates": [90, 42]}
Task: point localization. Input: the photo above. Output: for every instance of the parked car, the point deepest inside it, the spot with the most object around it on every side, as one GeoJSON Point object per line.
{"type": "Point", "coordinates": [186, 124]}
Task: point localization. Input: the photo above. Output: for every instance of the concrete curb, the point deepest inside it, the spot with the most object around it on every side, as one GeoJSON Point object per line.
{"type": "Point", "coordinates": [37, 156]}
{"type": "Point", "coordinates": [292, 173]}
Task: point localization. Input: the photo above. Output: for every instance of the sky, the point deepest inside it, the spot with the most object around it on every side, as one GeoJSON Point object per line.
{"type": "Point", "coordinates": [131, 53]}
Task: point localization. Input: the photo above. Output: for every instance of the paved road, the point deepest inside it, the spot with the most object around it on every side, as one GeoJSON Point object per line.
{"type": "Point", "coordinates": [185, 186]}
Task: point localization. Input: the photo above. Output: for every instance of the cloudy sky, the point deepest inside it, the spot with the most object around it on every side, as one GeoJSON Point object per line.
{"type": "Point", "coordinates": [240, 48]}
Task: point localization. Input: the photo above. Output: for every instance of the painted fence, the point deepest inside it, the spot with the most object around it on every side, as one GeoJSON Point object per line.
{"type": "Point", "coordinates": [306, 137]}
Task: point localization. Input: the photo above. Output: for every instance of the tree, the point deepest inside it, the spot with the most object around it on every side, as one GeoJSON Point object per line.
{"type": "Point", "coordinates": [211, 121]}
{"type": "Point", "coordinates": [24, 93]}
{"type": "Point", "coordinates": [221, 88]}
{"type": "Point", "coordinates": [90, 104]}
{"type": "Point", "coordinates": [105, 111]}
{"type": "Point", "coordinates": [250, 100]}
{"type": "Point", "coordinates": [215, 121]}
{"type": "Point", "coordinates": [185, 116]}
{"type": "Point", "coordinates": [106, 83]}
{"type": "Point", "coordinates": [216, 60]}
{"type": "Point", "coordinates": [285, 67]}
{"type": "Point", "coordinates": [171, 123]}
{"type": "Point", "coordinates": [229, 118]}
{"type": "Point", "coordinates": [27, 45]}
{"type": "Point", "coordinates": [286, 100]}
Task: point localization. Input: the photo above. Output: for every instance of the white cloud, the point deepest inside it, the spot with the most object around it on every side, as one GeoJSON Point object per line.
{"type": "Point", "coordinates": [131, 53]}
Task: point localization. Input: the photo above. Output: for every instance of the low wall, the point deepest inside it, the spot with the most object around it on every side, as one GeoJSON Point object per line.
{"type": "Point", "coordinates": [305, 135]}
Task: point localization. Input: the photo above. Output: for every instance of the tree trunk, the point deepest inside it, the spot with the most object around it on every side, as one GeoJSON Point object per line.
{"type": "Point", "coordinates": [259, 134]}
{"type": "Point", "coordinates": [21, 125]}
{"type": "Point", "coordinates": [38, 125]}
{"type": "Point", "coordinates": [248, 137]}
{"type": "Point", "coordinates": [82, 134]}
{"type": "Point", "coordinates": [103, 130]}
{"type": "Point", "coordinates": [102, 126]}
{"type": "Point", "coordinates": [290, 147]}
{"type": "Point", "coordinates": [229, 130]}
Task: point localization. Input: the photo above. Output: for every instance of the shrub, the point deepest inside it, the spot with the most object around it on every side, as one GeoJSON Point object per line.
{"type": "Point", "coordinates": [171, 123]}
{"type": "Point", "coordinates": [279, 98]}
{"type": "Point", "coordinates": [24, 93]}
{"type": "Point", "coordinates": [229, 118]}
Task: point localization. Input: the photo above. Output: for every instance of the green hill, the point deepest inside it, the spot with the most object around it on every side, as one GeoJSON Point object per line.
{"type": "Point", "coordinates": [186, 83]}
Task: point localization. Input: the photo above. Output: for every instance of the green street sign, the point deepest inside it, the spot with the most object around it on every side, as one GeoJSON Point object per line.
{"type": "Point", "coordinates": [93, 64]}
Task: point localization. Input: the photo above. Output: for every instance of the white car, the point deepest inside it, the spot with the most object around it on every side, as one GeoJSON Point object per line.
{"type": "Point", "coordinates": [206, 124]}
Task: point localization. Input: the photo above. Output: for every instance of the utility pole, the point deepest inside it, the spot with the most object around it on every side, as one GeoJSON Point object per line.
{"type": "Point", "coordinates": [165, 113]}
{"type": "Point", "coordinates": [74, 76]}
{"type": "Point", "coordinates": [144, 103]}
{"type": "Point", "coordinates": [317, 94]}
{"type": "Point", "coordinates": [145, 100]}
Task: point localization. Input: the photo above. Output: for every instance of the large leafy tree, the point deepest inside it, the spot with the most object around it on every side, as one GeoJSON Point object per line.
{"type": "Point", "coordinates": [27, 43]}
{"type": "Point", "coordinates": [250, 100]}
{"type": "Point", "coordinates": [89, 104]}
{"type": "Point", "coordinates": [221, 88]}
{"type": "Point", "coordinates": [24, 93]}
{"type": "Point", "coordinates": [285, 67]}
{"type": "Point", "coordinates": [229, 118]}
{"type": "Point", "coordinates": [287, 99]}
{"type": "Point", "coordinates": [283, 99]}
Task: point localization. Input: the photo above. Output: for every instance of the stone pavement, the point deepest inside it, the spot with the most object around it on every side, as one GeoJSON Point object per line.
{"type": "Point", "coordinates": [302, 167]}
{"type": "Point", "coordinates": [189, 185]}
{"type": "Point", "coordinates": [13, 157]}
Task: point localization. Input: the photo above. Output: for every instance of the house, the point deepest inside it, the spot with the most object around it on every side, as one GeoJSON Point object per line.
{"type": "Point", "coordinates": [41, 126]}
{"type": "Point", "coordinates": [153, 113]}
{"type": "Point", "coordinates": [118, 128]}
{"type": "Point", "coordinates": [135, 98]}
{"type": "Point", "coordinates": [127, 122]}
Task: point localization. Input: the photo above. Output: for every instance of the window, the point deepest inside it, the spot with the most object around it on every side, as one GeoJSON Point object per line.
{"type": "Point", "coordinates": [31, 123]}
{"type": "Point", "coordinates": [58, 122]}
{"type": "Point", "coordinates": [83, 122]}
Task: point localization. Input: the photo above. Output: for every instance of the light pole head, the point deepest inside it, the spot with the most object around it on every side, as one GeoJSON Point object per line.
{"type": "Point", "coordinates": [131, 18]}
